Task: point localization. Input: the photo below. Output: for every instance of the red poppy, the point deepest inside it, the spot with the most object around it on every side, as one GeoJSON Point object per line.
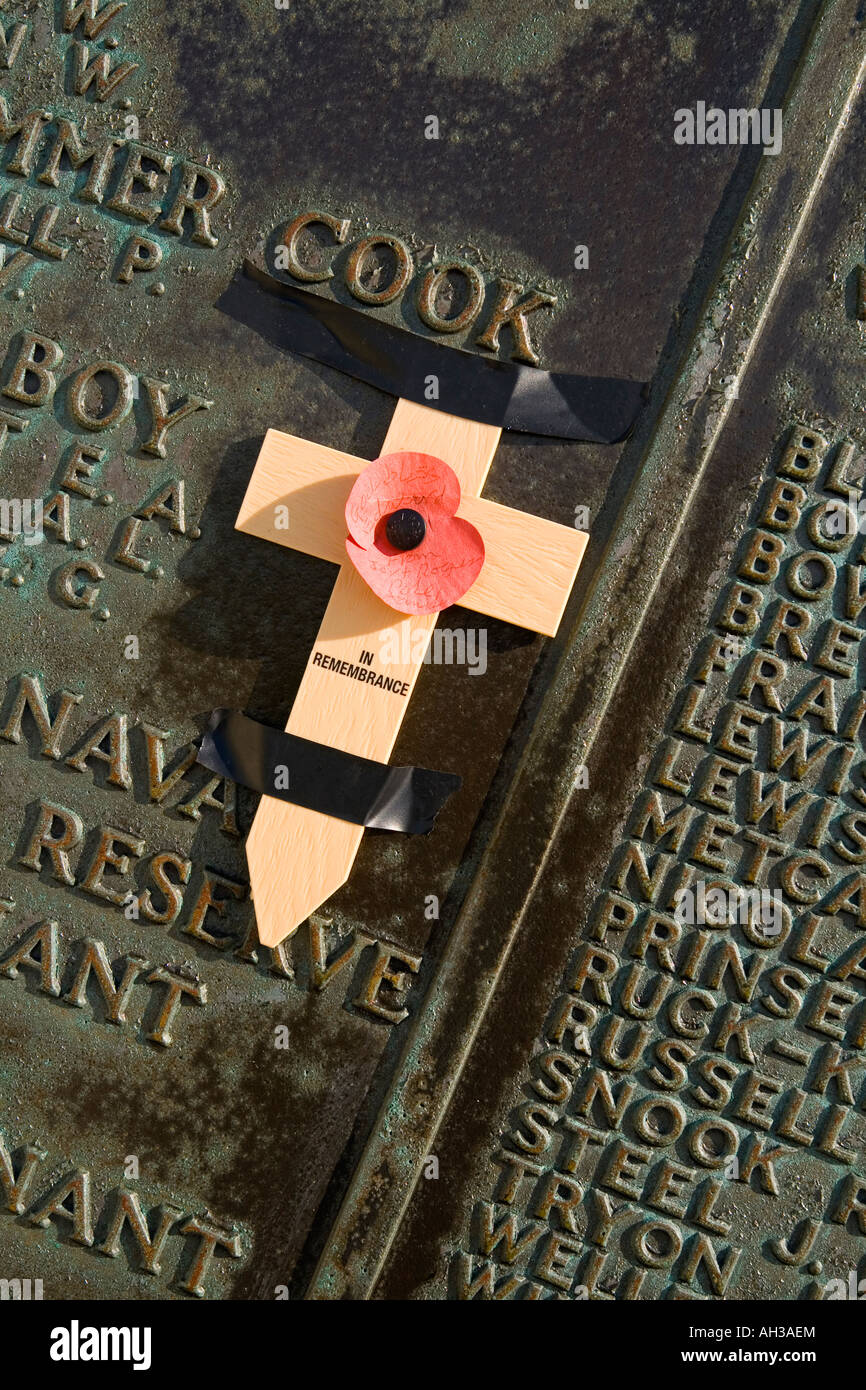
{"type": "Point", "coordinates": [404, 538]}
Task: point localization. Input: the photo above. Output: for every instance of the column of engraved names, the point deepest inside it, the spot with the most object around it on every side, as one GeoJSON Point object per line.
{"type": "Point", "coordinates": [701, 1045]}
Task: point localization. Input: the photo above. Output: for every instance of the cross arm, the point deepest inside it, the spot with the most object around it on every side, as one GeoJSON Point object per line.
{"type": "Point", "coordinates": [530, 563]}
{"type": "Point", "coordinates": [312, 483]}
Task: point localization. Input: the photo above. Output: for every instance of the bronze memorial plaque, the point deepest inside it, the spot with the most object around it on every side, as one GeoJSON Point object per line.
{"type": "Point", "coordinates": [587, 281]}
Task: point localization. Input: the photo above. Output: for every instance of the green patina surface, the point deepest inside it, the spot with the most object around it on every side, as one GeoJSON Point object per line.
{"type": "Point", "coordinates": [555, 130]}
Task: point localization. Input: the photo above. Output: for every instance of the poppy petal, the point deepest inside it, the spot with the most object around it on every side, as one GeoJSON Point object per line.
{"type": "Point", "coordinates": [438, 571]}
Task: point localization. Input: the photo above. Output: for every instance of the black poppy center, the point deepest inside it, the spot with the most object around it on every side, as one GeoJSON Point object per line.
{"type": "Point", "coordinates": [405, 529]}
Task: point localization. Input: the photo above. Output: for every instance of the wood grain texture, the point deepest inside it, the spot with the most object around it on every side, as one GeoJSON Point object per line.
{"type": "Point", "coordinates": [529, 565]}
{"type": "Point", "coordinates": [313, 483]}
{"type": "Point", "coordinates": [297, 858]}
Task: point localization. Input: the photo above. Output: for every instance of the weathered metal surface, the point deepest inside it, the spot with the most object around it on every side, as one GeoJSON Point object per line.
{"type": "Point", "coordinates": [778, 351]}
{"type": "Point", "coordinates": [325, 108]}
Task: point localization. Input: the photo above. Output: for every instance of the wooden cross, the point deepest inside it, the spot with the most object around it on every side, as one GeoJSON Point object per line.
{"type": "Point", "coordinates": [297, 858]}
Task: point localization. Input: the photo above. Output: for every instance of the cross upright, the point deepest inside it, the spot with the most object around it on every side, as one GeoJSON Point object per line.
{"type": "Point", "coordinates": [298, 857]}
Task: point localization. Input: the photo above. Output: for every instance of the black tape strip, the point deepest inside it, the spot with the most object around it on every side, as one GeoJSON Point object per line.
{"type": "Point", "coordinates": [527, 399]}
{"type": "Point", "coordinates": [324, 779]}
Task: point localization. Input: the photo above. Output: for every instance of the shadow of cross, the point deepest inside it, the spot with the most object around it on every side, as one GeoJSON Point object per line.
{"type": "Point", "coordinates": [297, 857]}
